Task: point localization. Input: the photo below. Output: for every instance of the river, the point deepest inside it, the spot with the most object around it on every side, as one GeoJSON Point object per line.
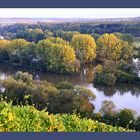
{"type": "Point", "coordinates": [123, 95]}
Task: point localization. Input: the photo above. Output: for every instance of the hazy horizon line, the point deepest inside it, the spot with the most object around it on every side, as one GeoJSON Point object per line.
{"type": "Point", "coordinates": [71, 17]}
{"type": "Point", "coordinates": [86, 13]}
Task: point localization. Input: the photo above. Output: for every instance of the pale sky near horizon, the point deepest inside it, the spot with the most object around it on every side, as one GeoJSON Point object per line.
{"type": "Point", "coordinates": [69, 12]}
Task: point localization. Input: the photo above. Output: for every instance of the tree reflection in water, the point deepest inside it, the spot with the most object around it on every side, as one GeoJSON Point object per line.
{"type": "Point", "coordinates": [120, 89]}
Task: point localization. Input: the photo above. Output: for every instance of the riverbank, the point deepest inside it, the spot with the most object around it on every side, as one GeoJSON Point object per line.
{"type": "Point", "coordinates": [118, 93]}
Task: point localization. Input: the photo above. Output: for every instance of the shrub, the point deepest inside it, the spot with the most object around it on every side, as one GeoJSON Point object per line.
{"type": "Point", "coordinates": [137, 124]}
{"type": "Point", "coordinates": [99, 68]}
{"type": "Point", "coordinates": [28, 119]}
{"type": "Point", "coordinates": [25, 77]}
{"type": "Point", "coordinates": [65, 85]}
{"type": "Point", "coordinates": [104, 79]}
{"type": "Point", "coordinates": [124, 77]}
{"type": "Point", "coordinates": [125, 118]}
{"type": "Point", "coordinates": [63, 98]}
{"type": "Point", "coordinates": [4, 55]}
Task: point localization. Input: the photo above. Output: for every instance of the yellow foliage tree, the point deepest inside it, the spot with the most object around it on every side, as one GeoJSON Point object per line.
{"type": "Point", "coordinates": [59, 55]}
{"type": "Point", "coordinates": [4, 44]}
{"type": "Point", "coordinates": [109, 47]}
{"type": "Point", "coordinates": [127, 50]}
{"type": "Point", "coordinates": [85, 47]}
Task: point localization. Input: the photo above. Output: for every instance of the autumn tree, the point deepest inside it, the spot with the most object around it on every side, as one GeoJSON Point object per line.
{"type": "Point", "coordinates": [18, 44]}
{"type": "Point", "coordinates": [58, 54]}
{"type": "Point", "coordinates": [4, 44]}
{"type": "Point", "coordinates": [127, 50]}
{"type": "Point", "coordinates": [10, 49]}
{"type": "Point", "coordinates": [109, 47]}
{"type": "Point", "coordinates": [112, 48]}
{"type": "Point", "coordinates": [85, 47]}
{"type": "Point", "coordinates": [15, 48]}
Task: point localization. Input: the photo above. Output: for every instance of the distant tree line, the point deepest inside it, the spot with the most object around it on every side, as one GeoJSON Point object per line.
{"type": "Point", "coordinates": [49, 48]}
{"type": "Point", "coordinates": [95, 29]}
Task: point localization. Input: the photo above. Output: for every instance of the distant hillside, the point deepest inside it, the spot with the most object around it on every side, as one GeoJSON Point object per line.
{"type": "Point", "coordinates": [5, 21]}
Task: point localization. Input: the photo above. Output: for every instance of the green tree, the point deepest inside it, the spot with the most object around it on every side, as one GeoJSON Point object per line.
{"type": "Point", "coordinates": [4, 50]}
{"type": "Point", "coordinates": [137, 124]}
{"type": "Point", "coordinates": [34, 35]}
{"type": "Point", "coordinates": [127, 50]}
{"type": "Point", "coordinates": [108, 108]}
{"type": "Point", "coordinates": [25, 77]}
{"type": "Point", "coordinates": [109, 112]}
{"type": "Point", "coordinates": [48, 33]}
{"type": "Point", "coordinates": [125, 118]}
{"type": "Point", "coordinates": [107, 79]}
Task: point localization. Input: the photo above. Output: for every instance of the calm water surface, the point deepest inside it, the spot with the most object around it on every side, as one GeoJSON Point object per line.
{"type": "Point", "coordinates": [124, 95]}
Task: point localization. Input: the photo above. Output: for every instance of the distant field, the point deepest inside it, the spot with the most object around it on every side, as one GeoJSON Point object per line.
{"type": "Point", "coordinates": [8, 21]}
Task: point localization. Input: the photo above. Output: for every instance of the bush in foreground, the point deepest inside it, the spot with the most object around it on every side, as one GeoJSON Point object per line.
{"type": "Point", "coordinates": [28, 119]}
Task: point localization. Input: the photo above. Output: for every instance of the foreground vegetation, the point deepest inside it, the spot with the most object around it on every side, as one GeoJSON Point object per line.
{"type": "Point", "coordinates": [125, 118]}
{"type": "Point", "coordinates": [28, 119]}
{"type": "Point", "coordinates": [61, 98]}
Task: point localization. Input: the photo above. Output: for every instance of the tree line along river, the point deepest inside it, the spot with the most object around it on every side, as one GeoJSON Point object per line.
{"type": "Point", "coordinates": [123, 95]}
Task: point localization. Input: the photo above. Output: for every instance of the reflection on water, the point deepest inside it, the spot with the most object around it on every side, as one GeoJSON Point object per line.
{"type": "Point", "coordinates": [86, 75]}
{"type": "Point", "coordinates": [121, 89]}
{"type": "Point", "coordinates": [124, 95]}
{"type": "Point", "coordinates": [3, 76]}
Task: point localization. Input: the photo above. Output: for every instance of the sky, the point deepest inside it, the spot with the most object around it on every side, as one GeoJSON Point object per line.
{"type": "Point", "coordinates": [69, 12]}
